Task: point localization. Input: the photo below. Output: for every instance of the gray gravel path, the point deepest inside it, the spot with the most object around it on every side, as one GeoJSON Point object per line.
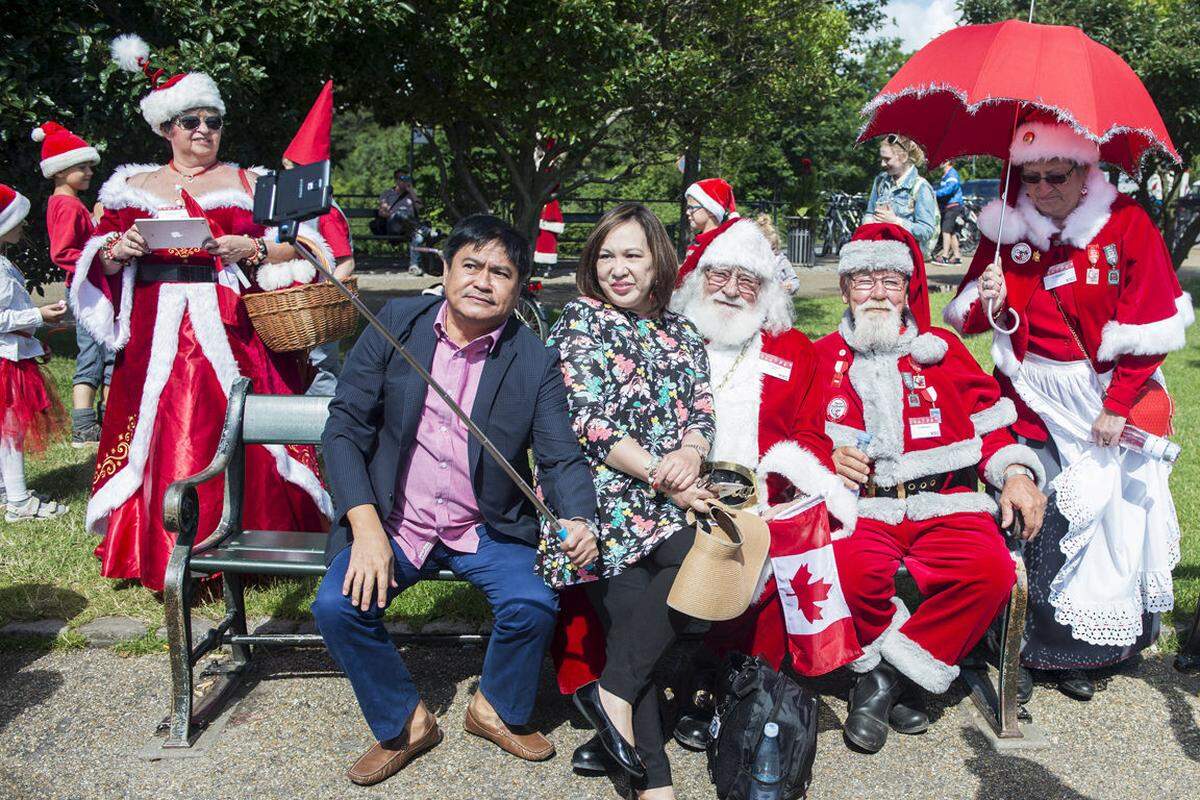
{"type": "Point", "coordinates": [72, 725]}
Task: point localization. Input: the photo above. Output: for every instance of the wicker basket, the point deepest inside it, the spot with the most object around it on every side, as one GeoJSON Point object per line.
{"type": "Point", "coordinates": [303, 317]}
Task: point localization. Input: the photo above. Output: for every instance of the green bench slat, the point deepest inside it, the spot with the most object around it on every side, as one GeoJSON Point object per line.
{"type": "Point", "coordinates": [274, 553]}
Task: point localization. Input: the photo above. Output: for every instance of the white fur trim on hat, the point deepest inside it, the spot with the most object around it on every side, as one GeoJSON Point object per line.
{"type": "Point", "coordinates": [708, 201]}
{"type": "Point", "coordinates": [1041, 141]}
{"type": "Point", "coordinates": [130, 51]}
{"type": "Point", "coordinates": [553, 227]}
{"type": "Point", "coordinates": [865, 255]}
{"type": "Point", "coordinates": [194, 90]}
{"type": "Point", "coordinates": [80, 155]}
{"type": "Point", "coordinates": [16, 211]}
{"type": "Point", "coordinates": [741, 245]}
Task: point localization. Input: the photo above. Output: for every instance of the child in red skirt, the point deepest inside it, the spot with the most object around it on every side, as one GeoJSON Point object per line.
{"type": "Point", "coordinates": [28, 409]}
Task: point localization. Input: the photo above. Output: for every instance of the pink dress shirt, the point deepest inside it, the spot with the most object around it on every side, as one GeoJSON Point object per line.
{"type": "Point", "coordinates": [435, 499]}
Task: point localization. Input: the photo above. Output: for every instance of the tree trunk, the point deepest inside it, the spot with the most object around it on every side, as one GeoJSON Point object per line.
{"type": "Point", "coordinates": [691, 172]}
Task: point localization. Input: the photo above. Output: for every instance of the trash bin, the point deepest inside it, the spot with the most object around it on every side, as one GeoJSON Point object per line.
{"type": "Point", "coordinates": [801, 247]}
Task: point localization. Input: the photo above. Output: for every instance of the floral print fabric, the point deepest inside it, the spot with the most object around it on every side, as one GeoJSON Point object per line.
{"type": "Point", "coordinates": [647, 379]}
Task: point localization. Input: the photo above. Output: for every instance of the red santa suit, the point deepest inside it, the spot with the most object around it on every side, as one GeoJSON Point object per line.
{"type": "Point", "coordinates": [550, 227]}
{"type": "Point", "coordinates": [937, 421]}
{"type": "Point", "coordinates": [183, 337]}
{"type": "Point", "coordinates": [1098, 306]}
{"type": "Point", "coordinates": [770, 378]}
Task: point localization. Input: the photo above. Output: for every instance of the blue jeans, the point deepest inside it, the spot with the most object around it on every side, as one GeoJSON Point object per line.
{"type": "Point", "coordinates": [414, 255]}
{"type": "Point", "coordinates": [94, 364]}
{"type": "Point", "coordinates": [525, 609]}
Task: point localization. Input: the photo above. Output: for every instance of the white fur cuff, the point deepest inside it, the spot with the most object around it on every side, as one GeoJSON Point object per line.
{"type": "Point", "coordinates": [1009, 455]}
{"type": "Point", "coordinates": [955, 312]}
{"type": "Point", "coordinates": [809, 475]}
{"type": "Point", "coordinates": [917, 663]}
{"type": "Point", "coordinates": [1147, 339]}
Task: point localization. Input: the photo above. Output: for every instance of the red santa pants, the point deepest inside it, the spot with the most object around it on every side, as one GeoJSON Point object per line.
{"type": "Point", "coordinates": [963, 571]}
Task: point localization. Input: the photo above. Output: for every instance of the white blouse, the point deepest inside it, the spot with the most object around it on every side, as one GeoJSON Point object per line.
{"type": "Point", "coordinates": [18, 315]}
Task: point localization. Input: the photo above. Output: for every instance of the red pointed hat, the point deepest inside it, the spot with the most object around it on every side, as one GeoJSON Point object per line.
{"type": "Point", "coordinates": [311, 143]}
{"type": "Point", "coordinates": [881, 247]}
{"type": "Point", "coordinates": [716, 195]}
{"type": "Point", "coordinates": [14, 206]}
{"type": "Point", "coordinates": [62, 149]}
{"type": "Point", "coordinates": [167, 98]}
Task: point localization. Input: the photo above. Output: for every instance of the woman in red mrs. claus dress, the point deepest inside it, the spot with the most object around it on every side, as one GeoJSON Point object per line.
{"type": "Point", "coordinates": [183, 337]}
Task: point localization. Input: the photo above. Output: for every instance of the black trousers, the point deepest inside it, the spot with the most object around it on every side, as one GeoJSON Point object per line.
{"type": "Point", "coordinates": [639, 628]}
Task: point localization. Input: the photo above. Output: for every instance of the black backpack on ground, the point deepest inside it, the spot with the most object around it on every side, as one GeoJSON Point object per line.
{"type": "Point", "coordinates": [752, 695]}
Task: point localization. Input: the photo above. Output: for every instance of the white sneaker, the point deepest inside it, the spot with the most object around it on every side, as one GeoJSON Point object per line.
{"type": "Point", "coordinates": [34, 508]}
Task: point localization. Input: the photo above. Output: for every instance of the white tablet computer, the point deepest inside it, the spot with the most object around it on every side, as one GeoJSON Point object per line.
{"type": "Point", "coordinates": [171, 234]}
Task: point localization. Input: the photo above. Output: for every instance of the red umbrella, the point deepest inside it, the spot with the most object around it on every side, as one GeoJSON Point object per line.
{"type": "Point", "coordinates": [960, 94]}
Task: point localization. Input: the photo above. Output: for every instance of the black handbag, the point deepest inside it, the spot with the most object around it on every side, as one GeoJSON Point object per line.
{"type": "Point", "coordinates": [753, 694]}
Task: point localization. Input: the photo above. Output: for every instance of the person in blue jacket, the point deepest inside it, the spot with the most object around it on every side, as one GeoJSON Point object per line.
{"type": "Point", "coordinates": [950, 198]}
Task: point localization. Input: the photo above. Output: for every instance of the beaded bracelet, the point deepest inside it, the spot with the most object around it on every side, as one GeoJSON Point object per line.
{"type": "Point", "coordinates": [259, 255]}
{"type": "Point", "coordinates": [109, 246]}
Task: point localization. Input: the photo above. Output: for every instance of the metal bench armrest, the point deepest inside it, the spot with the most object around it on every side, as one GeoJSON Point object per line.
{"type": "Point", "coordinates": [181, 504]}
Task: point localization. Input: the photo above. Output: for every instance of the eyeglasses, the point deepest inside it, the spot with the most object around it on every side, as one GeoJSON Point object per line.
{"type": "Point", "coordinates": [745, 281]}
{"type": "Point", "coordinates": [692, 209]}
{"type": "Point", "coordinates": [1054, 179]}
{"type": "Point", "coordinates": [865, 283]}
{"type": "Point", "coordinates": [192, 121]}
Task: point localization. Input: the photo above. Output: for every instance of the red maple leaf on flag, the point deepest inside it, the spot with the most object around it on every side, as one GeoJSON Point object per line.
{"type": "Point", "coordinates": [809, 593]}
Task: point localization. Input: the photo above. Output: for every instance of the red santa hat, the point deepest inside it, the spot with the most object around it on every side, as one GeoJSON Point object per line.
{"type": "Point", "coordinates": [167, 98]}
{"type": "Point", "coordinates": [311, 142]}
{"type": "Point", "coordinates": [1041, 137]}
{"type": "Point", "coordinates": [716, 195]}
{"type": "Point", "coordinates": [883, 247]}
{"type": "Point", "coordinates": [14, 206]}
{"type": "Point", "coordinates": [62, 149]}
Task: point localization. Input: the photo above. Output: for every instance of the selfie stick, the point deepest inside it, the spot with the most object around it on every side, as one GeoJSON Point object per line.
{"type": "Point", "coordinates": [484, 441]}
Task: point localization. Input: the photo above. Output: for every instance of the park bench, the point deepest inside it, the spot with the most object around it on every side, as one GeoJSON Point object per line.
{"type": "Point", "coordinates": [234, 552]}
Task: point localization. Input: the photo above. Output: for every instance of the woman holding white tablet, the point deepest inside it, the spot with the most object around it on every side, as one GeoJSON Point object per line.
{"type": "Point", "coordinates": [176, 319]}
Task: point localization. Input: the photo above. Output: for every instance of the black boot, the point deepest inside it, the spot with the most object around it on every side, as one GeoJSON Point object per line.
{"type": "Point", "coordinates": [909, 715]}
{"type": "Point", "coordinates": [1075, 683]}
{"type": "Point", "coordinates": [590, 758]}
{"type": "Point", "coordinates": [871, 702]}
{"type": "Point", "coordinates": [1024, 685]}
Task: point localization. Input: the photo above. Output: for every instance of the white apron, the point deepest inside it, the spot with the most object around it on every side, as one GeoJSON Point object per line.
{"type": "Point", "coordinates": [1123, 535]}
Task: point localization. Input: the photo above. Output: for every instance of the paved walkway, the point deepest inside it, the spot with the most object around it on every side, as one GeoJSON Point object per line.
{"type": "Point", "coordinates": [76, 724]}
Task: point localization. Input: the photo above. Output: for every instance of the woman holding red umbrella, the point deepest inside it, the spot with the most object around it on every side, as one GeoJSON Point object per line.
{"type": "Point", "coordinates": [1086, 305]}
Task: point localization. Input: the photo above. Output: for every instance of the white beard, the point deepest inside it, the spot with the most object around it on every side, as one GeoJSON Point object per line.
{"type": "Point", "coordinates": [876, 332]}
{"type": "Point", "coordinates": [723, 325]}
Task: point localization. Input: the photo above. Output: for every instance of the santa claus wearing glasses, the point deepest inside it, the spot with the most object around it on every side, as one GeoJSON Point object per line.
{"type": "Point", "coordinates": [916, 424]}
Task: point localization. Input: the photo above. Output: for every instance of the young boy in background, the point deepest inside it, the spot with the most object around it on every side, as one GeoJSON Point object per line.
{"type": "Point", "coordinates": [68, 160]}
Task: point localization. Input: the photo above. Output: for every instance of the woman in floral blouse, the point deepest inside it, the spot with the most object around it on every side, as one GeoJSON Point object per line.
{"type": "Point", "coordinates": [637, 386]}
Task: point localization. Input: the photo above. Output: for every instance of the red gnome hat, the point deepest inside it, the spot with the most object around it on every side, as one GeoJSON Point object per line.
{"type": "Point", "coordinates": [882, 246]}
{"type": "Point", "coordinates": [311, 143]}
{"type": "Point", "coordinates": [62, 149]}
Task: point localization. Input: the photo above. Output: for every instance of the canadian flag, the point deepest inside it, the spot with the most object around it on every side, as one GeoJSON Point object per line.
{"type": "Point", "coordinates": [820, 632]}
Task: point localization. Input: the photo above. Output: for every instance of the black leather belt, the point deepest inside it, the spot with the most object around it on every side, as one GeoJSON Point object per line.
{"type": "Point", "coordinates": [937, 482]}
{"type": "Point", "coordinates": [176, 273]}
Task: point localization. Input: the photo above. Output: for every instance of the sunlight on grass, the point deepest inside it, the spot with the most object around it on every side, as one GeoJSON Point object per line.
{"type": "Point", "coordinates": [47, 569]}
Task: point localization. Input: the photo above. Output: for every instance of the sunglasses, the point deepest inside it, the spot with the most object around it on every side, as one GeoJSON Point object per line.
{"type": "Point", "coordinates": [192, 121]}
{"type": "Point", "coordinates": [1033, 179]}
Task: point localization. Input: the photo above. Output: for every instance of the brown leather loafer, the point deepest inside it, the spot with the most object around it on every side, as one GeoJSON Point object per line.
{"type": "Point", "coordinates": [385, 759]}
{"type": "Point", "coordinates": [529, 746]}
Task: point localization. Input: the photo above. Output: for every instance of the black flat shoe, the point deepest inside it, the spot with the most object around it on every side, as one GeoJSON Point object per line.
{"type": "Point", "coordinates": [691, 732]}
{"type": "Point", "coordinates": [587, 700]}
{"type": "Point", "coordinates": [1075, 683]}
{"type": "Point", "coordinates": [871, 702]}
{"type": "Point", "coordinates": [1024, 685]}
{"type": "Point", "coordinates": [909, 715]}
{"type": "Point", "coordinates": [590, 758]}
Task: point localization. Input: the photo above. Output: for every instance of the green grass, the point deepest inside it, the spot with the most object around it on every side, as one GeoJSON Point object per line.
{"type": "Point", "coordinates": [47, 569]}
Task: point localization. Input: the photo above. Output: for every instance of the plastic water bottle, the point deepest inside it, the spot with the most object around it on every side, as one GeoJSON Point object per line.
{"type": "Point", "coordinates": [767, 778]}
{"type": "Point", "coordinates": [861, 441]}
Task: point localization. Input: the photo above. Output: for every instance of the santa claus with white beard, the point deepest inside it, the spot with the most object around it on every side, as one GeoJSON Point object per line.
{"type": "Point", "coordinates": [770, 415]}
{"type": "Point", "coordinates": [916, 423]}
{"type": "Point", "coordinates": [761, 369]}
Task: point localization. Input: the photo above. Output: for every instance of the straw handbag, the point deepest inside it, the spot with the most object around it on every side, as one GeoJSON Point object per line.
{"type": "Point", "coordinates": [303, 317]}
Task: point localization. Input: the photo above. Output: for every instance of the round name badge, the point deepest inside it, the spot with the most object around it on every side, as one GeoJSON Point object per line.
{"type": "Point", "coordinates": [836, 409]}
{"type": "Point", "coordinates": [1021, 253]}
